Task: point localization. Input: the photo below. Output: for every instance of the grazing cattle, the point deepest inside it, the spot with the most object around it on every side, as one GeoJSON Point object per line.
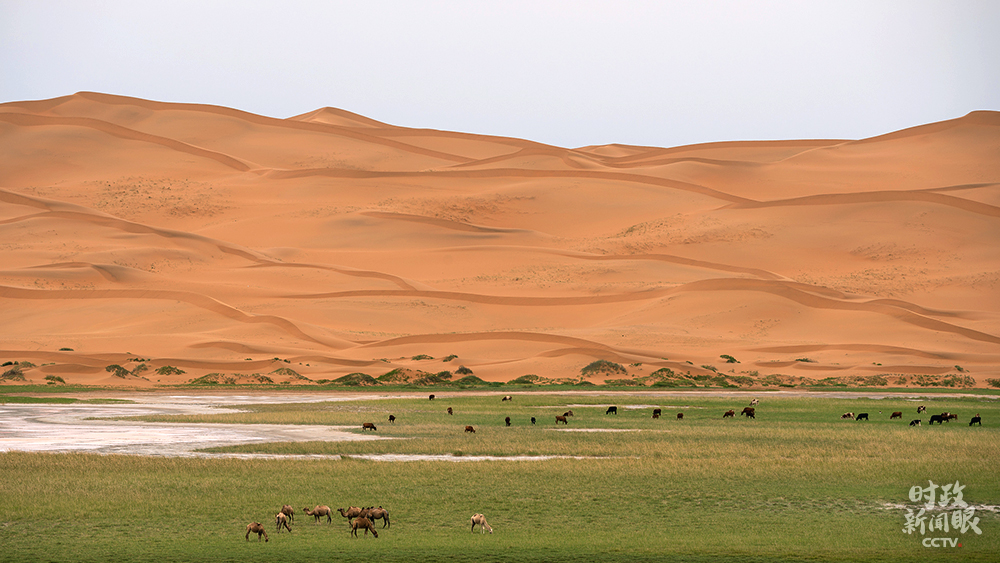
{"type": "Point", "coordinates": [915, 422]}
{"type": "Point", "coordinates": [729, 414]}
{"type": "Point", "coordinates": [431, 398]}
{"type": "Point", "coordinates": [657, 413]}
{"type": "Point", "coordinates": [392, 419]}
{"type": "Point", "coordinates": [256, 528]}
{"type": "Point", "coordinates": [754, 403]}
{"type": "Point", "coordinates": [562, 419]}
{"type": "Point", "coordinates": [861, 416]}
{"type": "Point", "coordinates": [568, 413]}
{"type": "Point", "coordinates": [976, 420]}
{"type": "Point", "coordinates": [470, 429]}
{"type": "Point", "coordinates": [368, 426]}
{"type": "Point", "coordinates": [507, 421]}
{"type": "Point", "coordinates": [949, 416]}
{"type": "Point", "coordinates": [611, 410]}
{"type": "Point", "coordinates": [532, 420]}
{"type": "Point", "coordinates": [936, 418]}
{"type": "Point", "coordinates": [680, 416]}
{"type": "Point", "coordinates": [507, 398]}
{"type": "Point", "coordinates": [749, 412]}
{"type": "Point", "coordinates": [281, 520]}
{"type": "Point", "coordinates": [450, 411]}
{"type": "Point", "coordinates": [849, 415]}
{"type": "Point", "coordinates": [362, 522]}
{"type": "Point", "coordinates": [897, 414]}
{"type": "Point", "coordinates": [921, 409]}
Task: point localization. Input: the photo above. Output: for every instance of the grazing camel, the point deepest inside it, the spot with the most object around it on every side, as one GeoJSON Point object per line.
{"type": "Point", "coordinates": [288, 511]}
{"type": "Point", "coordinates": [319, 511]}
{"type": "Point", "coordinates": [368, 426]}
{"type": "Point", "coordinates": [256, 528]}
{"type": "Point", "coordinates": [281, 519]}
{"type": "Point", "coordinates": [392, 419]}
{"type": "Point", "coordinates": [379, 514]}
{"type": "Point", "coordinates": [729, 414]}
{"type": "Point", "coordinates": [562, 419]}
{"type": "Point", "coordinates": [362, 522]}
{"type": "Point", "coordinates": [470, 429]}
{"type": "Point", "coordinates": [481, 521]}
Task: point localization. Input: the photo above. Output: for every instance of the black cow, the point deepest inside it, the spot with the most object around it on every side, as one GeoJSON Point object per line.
{"type": "Point", "coordinates": [861, 416]}
{"type": "Point", "coordinates": [749, 412]}
{"type": "Point", "coordinates": [532, 420]}
{"type": "Point", "coordinates": [611, 410]}
{"type": "Point", "coordinates": [507, 420]}
{"type": "Point", "coordinates": [976, 420]}
{"type": "Point", "coordinates": [936, 418]}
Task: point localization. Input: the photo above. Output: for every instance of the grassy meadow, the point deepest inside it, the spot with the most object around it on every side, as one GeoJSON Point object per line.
{"type": "Point", "coordinates": [796, 484]}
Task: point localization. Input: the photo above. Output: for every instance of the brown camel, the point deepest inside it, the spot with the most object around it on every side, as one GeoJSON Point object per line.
{"type": "Point", "coordinates": [350, 513]}
{"type": "Point", "coordinates": [362, 522]}
{"type": "Point", "coordinates": [374, 514]}
{"type": "Point", "coordinates": [481, 521]}
{"type": "Point", "coordinates": [319, 511]}
{"type": "Point", "coordinates": [288, 511]}
{"type": "Point", "coordinates": [256, 528]}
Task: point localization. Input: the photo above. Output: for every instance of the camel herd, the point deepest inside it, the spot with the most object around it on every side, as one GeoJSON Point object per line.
{"type": "Point", "coordinates": [357, 519]}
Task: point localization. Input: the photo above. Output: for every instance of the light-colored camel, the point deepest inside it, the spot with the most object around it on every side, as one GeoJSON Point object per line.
{"type": "Point", "coordinates": [481, 521]}
{"type": "Point", "coordinates": [281, 519]}
{"type": "Point", "coordinates": [361, 522]}
{"type": "Point", "coordinates": [288, 511]}
{"type": "Point", "coordinates": [321, 510]}
{"type": "Point", "coordinates": [256, 528]}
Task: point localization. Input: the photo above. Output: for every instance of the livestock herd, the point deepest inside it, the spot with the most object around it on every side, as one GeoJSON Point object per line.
{"type": "Point", "coordinates": [357, 519]}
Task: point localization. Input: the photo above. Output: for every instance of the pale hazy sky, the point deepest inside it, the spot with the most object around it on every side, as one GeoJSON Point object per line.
{"type": "Point", "coordinates": [568, 73]}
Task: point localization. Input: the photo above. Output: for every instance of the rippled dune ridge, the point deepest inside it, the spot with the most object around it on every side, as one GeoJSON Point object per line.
{"type": "Point", "coordinates": [230, 245]}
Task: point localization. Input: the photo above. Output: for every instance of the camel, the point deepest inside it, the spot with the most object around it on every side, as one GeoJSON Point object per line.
{"type": "Point", "coordinates": [481, 521]}
{"type": "Point", "coordinates": [281, 519]}
{"type": "Point", "coordinates": [362, 522]}
{"type": "Point", "coordinates": [350, 513]}
{"type": "Point", "coordinates": [320, 510]}
{"type": "Point", "coordinates": [379, 513]}
{"type": "Point", "coordinates": [288, 511]}
{"type": "Point", "coordinates": [256, 528]}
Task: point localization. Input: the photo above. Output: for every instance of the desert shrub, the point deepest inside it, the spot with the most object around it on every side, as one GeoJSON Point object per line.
{"type": "Point", "coordinates": [395, 376]}
{"type": "Point", "coordinates": [529, 379]}
{"type": "Point", "coordinates": [462, 370]}
{"type": "Point", "coordinates": [449, 358]}
{"type": "Point", "coordinates": [169, 370]}
{"type": "Point", "coordinates": [471, 380]}
{"type": "Point", "coordinates": [53, 379]}
{"type": "Point", "coordinates": [422, 357]}
{"type": "Point", "coordinates": [993, 382]}
{"type": "Point", "coordinates": [139, 369]}
{"type": "Point", "coordinates": [603, 366]}
{"type": "Point", "coordinates": [664, 372]}
{"type": "Point", "coordinates": [446, 375]}
{"type": "Point", "coordinates": [623, 383]}
{"type": "Point", "coordinates": [729, 359]}
{"type": "Point", "coordinates": [286, 371]}
{"type": "Point", "coordinates": [805, 360]}
{"type": "Point", "coordinates": [117, 371]}
{"type": "Point", "coordinates": [356, 380]}
{"type": "Point", "coordinates": [13, 374]}
{"type": "Point", "coordinates": [65, 349]}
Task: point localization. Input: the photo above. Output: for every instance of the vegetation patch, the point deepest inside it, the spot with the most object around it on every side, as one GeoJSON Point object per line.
{"type": "Point", "coordinates": [13, 374]}
{"type": "Point", "coordinates": [603, 367]}
{"type": "Point", "coordinates": [232, 379]}
{"type": "Point", "coordinates": [356, 380]}
{"type": "Point", "coordinates": [169, 370]}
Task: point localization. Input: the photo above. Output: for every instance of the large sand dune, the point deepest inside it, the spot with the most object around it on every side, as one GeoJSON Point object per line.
{"type": "Point", "coordinates": [215, 241]}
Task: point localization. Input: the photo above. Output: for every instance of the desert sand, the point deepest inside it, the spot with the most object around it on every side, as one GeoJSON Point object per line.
{"type": "Point", "coordinates": [215, 241]}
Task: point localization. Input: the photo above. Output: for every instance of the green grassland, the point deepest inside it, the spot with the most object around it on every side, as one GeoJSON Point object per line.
{"type": "Point", "coordinates": [796, 484]}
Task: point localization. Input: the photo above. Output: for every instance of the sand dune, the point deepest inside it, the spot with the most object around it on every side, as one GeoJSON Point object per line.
{"type": "Point", "coordinates": [211, 240]}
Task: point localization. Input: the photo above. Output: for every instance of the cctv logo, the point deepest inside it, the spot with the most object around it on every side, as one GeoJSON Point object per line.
{"type": "Point", "coordinates": [940, 542]}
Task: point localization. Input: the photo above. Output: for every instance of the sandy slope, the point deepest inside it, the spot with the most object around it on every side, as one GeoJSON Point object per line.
{"type": "Point", "coordinates": [215, 241]}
